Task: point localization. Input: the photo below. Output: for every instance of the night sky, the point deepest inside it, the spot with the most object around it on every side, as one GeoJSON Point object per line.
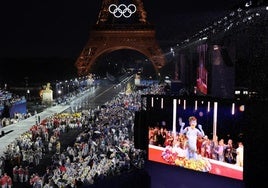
{"type": "Point", "coordinates": [61, 28]}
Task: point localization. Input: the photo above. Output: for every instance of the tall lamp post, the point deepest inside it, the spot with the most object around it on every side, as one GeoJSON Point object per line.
{"type": "Point", "coordinates": [28, 94]}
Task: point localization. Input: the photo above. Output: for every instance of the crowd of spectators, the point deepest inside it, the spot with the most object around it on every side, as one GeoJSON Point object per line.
{"type": "Point", "coordinates": [217, 149]}
{"type": "Point", "coordinates": [103, 148]}
{"type": "Point", "coordinates": [8, 99]}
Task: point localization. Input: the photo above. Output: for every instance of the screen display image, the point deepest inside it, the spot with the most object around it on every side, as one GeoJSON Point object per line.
{"type": "Point", "coordinates": [202, 73]}
{"type": "Point", "coordinates": [198, 134]}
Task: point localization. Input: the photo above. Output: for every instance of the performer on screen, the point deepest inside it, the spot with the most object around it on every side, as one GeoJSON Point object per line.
{"type": "Point", "coordinates": [192, 134]}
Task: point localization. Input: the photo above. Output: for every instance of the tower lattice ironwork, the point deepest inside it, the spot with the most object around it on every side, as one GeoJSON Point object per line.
{"type": "Point", "coordinates": [111, 33]}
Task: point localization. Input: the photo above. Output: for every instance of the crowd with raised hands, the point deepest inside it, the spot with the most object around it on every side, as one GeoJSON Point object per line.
{"type": "Point", "coordinates": [216, 149]}
{"type": "Point", "coordinates": [103, 148]}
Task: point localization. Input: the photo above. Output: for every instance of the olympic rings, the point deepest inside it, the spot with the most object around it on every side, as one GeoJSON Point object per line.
{"type": "Point", "coordinates": [122, 10]}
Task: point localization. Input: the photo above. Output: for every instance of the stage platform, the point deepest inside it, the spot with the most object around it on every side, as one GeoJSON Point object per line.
{"type": "Point", "coordinates": [217, 167]}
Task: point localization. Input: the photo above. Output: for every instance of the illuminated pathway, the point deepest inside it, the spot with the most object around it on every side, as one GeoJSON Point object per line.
{"type": "Point", "coordinates": [87, 99]}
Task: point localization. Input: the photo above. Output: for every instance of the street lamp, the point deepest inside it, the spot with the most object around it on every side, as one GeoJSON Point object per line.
{"type": "Point", "coordinates": [28, 94]}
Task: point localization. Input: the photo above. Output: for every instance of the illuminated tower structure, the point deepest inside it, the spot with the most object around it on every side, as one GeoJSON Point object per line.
{"type": "Point", "coordinates": [120, 26]}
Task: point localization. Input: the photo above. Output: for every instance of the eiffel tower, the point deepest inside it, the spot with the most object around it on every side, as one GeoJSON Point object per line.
{"type": "Point", "coordinates": [116, 29]}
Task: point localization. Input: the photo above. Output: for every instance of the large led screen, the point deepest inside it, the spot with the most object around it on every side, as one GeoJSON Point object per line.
{"type": "Point", "coordinates": [205, 135]}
